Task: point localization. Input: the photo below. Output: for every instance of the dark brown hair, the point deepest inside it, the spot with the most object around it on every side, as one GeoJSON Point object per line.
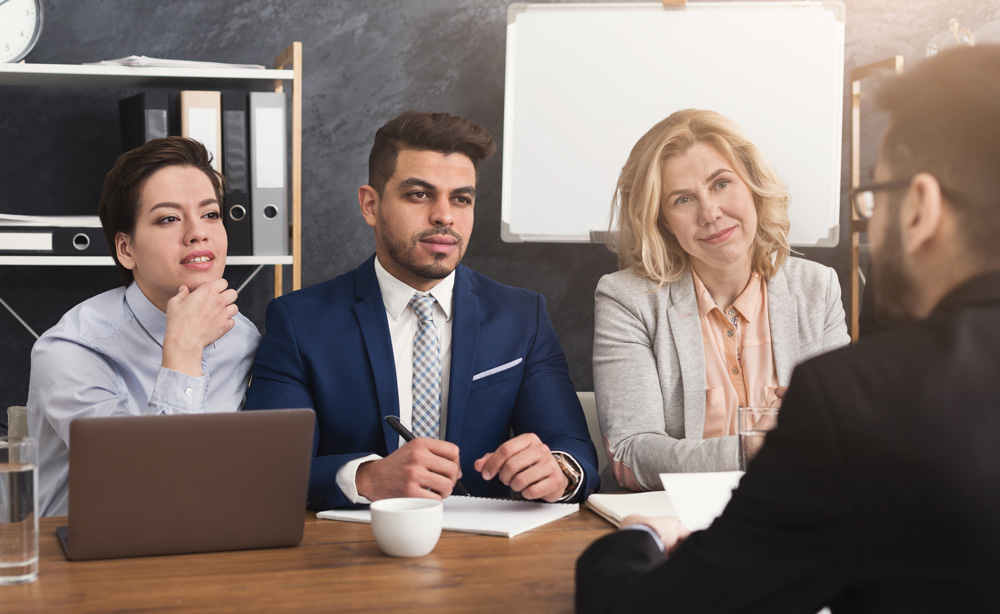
{"type": "Point", "coordinates": [944, 117]}
{"type": "Point", "coordinates": [423, 131]}
{"type": "Point", "coordinates": [119, 205]}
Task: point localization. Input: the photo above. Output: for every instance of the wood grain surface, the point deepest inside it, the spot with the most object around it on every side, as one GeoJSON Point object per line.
{"type": "Point", "coordinates": [338, 567]}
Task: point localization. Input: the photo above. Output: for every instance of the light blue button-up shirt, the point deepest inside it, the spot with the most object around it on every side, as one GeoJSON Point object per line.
{"type": "Point", "coordinates": [103, 359]}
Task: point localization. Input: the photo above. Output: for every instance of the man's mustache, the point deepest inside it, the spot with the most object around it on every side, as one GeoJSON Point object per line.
{"type": "Point", "coordinates": [440, 231]}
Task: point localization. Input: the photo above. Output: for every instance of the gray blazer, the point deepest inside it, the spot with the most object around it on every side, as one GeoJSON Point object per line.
{"type": "Point", "coordinates": [649, 365]}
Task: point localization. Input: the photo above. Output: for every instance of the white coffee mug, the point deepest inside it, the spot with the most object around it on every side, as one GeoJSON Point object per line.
{"type": "Point", "coordinates": [406, 527]}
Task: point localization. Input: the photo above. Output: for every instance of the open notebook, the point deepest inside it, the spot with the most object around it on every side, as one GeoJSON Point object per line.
{"type": "Point", "coordinates": [614, 507]}
{"type": "Point", "coordinates": [502, 517]}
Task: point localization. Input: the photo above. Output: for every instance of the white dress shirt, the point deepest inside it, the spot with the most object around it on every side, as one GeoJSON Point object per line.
{"type": "Point", "coordinates": [103, 359]}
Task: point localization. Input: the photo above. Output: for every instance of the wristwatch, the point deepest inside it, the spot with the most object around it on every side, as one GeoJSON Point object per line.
{"type": "Point", "coordinates": [571, 470]}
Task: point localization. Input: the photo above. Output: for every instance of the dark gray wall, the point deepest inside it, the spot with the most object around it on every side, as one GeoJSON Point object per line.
{"type": "Point", "coordinates": [364, 62]}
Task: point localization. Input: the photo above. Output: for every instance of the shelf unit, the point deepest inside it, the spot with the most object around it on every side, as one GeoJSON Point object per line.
{"type": "Point", "coordinates": [858, 225]}
{"type": "Point", "coordinates": [287, 70]}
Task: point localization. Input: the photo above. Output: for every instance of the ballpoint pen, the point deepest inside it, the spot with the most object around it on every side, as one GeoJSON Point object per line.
{"type": "Point", "coordinates": [408, 436]}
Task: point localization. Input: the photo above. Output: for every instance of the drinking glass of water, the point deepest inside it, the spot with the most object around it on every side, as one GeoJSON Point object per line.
{"type": "Point", "coordinates": [18, 510]}
{"type": "Point", "coordinates": [753, 424]}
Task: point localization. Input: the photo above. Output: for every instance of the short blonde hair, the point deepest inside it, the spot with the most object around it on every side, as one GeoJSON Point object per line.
{"type": "Point", "coordinates": [638, 231]}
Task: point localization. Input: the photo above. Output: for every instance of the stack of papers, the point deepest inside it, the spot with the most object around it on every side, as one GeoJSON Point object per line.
{"type": "Point", "coordinates": [141, 60]}
{"type": "Point", "coordinates": [502, 517]}
{"type": "Point", "coordinates": [50, 221]}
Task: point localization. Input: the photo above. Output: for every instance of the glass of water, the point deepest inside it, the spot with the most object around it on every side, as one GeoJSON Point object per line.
{"type": "Point", "coordinates": [18, 510]}
{"type": "Point", "coordinates": [753, 424]}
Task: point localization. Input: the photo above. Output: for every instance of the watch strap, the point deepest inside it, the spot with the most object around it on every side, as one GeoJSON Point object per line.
{"type": "Point", "coordinates": [573, 472]}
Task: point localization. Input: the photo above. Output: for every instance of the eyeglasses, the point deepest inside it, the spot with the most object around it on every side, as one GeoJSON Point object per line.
{"type": "Point", "coordinates": [863, 196]}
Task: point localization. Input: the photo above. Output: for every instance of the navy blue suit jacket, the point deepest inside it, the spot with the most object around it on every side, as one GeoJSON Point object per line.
{"type": "Point", "coordinates": [327, 347]}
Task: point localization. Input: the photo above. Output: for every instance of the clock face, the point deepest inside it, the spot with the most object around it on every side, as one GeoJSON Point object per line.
{"type": "Point", "coordinates": [20, 24]}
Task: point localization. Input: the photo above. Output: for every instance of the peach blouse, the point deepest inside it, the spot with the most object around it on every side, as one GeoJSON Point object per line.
{"type": "Point", "coordinates": [739, 363]}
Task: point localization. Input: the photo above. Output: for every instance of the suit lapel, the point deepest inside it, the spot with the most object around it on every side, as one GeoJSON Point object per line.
{"type": "Point", "coordinates": [784, 322]}
{"type": "Point", "coordinates": [682, 314]}
{"type": "Point", "coordinates": [370, 311]}
{"type": "Point", "coordinates": [464, 346]}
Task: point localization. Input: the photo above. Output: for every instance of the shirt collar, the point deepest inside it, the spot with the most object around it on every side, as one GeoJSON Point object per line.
{"type": "Point", "coordinates": [396, 294]}
{"type": "Point", "coordinates": [746, 304]}
{"type": "Point", "coordinates": [151, 318]}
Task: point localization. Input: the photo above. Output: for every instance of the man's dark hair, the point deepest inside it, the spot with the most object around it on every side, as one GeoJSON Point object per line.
{"type": "Point", "coordinates": [944, 119]}
{"type": "Point", "coordinates": [119, 205]}
{"type": "Point", "coordinates": [422, 131]}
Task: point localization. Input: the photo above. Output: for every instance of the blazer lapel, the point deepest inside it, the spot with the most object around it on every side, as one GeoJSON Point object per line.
{"type": "Point", "coordinates": [370, 311]}
{"type": "Point", "coordinates": [682, 314]}
{"type": "Point", "coordinates": [464, 346]}
{"type": "Point", "coordinates": [784, 322]}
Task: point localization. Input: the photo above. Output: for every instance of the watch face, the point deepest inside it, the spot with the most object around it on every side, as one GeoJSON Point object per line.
{"type": "Point", "coordinates": [20, 24]}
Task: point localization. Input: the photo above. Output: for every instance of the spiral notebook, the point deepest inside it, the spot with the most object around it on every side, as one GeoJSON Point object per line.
{"type": "Point", "coordinates": [501, 517]}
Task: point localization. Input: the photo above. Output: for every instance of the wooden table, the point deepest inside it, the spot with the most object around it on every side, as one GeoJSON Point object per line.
{"type": "Point", "coordinates": [338, 567]}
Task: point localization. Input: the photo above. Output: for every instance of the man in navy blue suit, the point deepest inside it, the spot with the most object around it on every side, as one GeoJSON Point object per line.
{"type": "Point", "coordinates": [473, 367]}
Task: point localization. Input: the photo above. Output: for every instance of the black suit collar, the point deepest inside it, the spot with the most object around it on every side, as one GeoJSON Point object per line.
{"type": "Point", "coordinates": [982, 289]}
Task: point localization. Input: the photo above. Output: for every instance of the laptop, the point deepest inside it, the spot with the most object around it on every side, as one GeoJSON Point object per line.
{"type": "Point", "coordinates": [152, 485]}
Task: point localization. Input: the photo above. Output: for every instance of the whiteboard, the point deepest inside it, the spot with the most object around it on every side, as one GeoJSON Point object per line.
{"type": "Point", "coordinates": [585, 81]}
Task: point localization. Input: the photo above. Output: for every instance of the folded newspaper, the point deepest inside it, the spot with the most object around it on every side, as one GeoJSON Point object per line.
{"type": "Point", "coordinates": [141, 60]}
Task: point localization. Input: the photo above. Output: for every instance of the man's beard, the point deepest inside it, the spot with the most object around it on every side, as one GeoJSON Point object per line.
{"type": "Point", "coordinates": [402, 251]}
{"type": "Point", "coordinates": [894, 287]}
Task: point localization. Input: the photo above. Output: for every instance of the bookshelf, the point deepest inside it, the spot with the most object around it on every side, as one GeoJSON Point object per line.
{"type": "Point", "coordinates": [860, 226]}
{"type": "Point", "coordinates": [287, 70]}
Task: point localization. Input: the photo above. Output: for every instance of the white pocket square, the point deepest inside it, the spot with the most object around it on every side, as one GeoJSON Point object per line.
{"type": "Point", "coordinates": [503, 367]}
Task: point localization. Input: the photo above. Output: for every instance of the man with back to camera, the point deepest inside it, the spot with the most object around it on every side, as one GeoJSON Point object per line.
{"type": "Point", "coordinates": [880, 489]}
{"type": "Point", "coordinates": [462, 360]}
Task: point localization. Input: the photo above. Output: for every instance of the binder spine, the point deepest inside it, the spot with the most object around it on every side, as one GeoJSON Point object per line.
{"type": "Point", "coordinates": [58, 241]}
{"type": "Point", "coordinates": [201, 119]}
{"type": "Point", "coordinates": [142, 118]}
{"type": "Point", "coordinates": [268, 191]}
{"type": "Point", "coordinates": [237, 208]}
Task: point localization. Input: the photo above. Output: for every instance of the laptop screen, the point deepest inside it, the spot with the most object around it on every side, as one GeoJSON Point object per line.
{"type": "Point", "coordinates": [150, 485]}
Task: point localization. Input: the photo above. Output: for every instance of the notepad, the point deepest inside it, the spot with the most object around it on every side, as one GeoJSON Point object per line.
{"type": "Point", "coordinates": [699, 498]}
{"type": "Point", "coordinates": [501, 517]}
{"type": "Point", "coordinates": [615, 507]}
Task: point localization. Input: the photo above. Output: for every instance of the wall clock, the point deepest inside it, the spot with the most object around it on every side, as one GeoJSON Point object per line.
{"type": "Point", "coordinates": [20, 25]}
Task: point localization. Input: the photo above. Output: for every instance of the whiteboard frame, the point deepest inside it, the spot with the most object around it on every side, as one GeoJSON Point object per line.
{"type": "Point", "coordinates": [836, 7]}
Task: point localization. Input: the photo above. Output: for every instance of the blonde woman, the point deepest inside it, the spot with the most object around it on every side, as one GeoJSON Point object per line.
{"type": "Point", "coordinates": [708, 311]}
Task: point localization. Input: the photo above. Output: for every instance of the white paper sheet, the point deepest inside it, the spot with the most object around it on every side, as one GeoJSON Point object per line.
{"type": "Point", "coordinates": [501, 517]}
{"type": "Point", "coordinates": [699, 498]}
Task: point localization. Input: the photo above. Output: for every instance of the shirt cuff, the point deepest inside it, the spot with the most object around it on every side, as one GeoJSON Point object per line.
{"type": "Point", "coordinates": [572, 461]}
{"type": "Point", "coordinates": [641, 527]}
{"type": "Point", "coordinates": [346, 478]}
{"type": "Point", "coordinates": [174, 391]}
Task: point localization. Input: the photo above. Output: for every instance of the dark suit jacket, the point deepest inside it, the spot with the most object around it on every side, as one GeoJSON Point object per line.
{"type": "Point", "coordinates": [878, 492]}
{"type": "Point", "coordinates": [870, 320]}
{"type": "Point", "coordinates": [327, 347]}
